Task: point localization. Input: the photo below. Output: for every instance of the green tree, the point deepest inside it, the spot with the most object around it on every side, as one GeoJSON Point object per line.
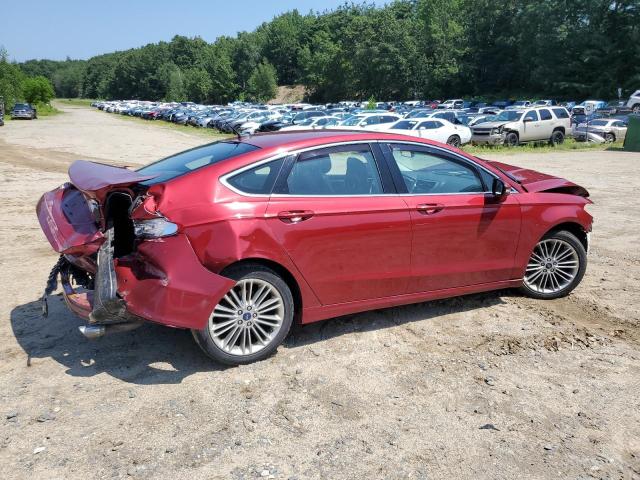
{"type": "Point", "coordinates": [68, 81]}
{"type": "Point", "coordinates": [171, 81]}
{"type": "Point", "coordinates": [263, 85]}
{"type": "Point", "coordinates": [216, 60]}
{"type": "Point", "coordinates": [38, 90]}
{"type": "Point", "coordinates": [197, 84]}
{"type": "Point", "coordinates": [371, 103]}
{"type": "Point", "coordinates": [11, 80]}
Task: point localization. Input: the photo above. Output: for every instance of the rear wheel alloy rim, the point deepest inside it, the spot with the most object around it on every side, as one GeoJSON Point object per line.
{"type": "Point", "coordinates": [552, 267]}
{"type": "Point", "coordinates": [248, 317]}
{"type": "Point", "coordinates": [454, 141]}
{"type": "Point", "coordinates": [557, 138]}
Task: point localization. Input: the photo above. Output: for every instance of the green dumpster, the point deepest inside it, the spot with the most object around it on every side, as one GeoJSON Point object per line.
{"type": "Point", "coordinates": [632, 140]}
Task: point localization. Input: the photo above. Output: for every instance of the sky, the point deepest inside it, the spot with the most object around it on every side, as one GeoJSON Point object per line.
{"type": "Point", "coordinates": [80, 29]}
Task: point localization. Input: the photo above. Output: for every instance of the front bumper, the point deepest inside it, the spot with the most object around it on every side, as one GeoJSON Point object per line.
{"type": "Point", "coordinates": [21, 115]}
{"type": "Point", "coordinates": [495, 139]}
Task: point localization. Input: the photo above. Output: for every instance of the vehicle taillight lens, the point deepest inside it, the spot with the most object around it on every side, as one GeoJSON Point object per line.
{"type": "Point", "coordinates": [154, 228]}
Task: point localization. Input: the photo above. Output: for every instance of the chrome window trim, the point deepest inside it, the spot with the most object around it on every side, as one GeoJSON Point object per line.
{"type": "Point", "coordinates": [224, 178]}
{"type": "Point", "coordinates": [460, 157]}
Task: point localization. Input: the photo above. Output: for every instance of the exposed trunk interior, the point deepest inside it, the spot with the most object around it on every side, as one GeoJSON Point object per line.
{"type": "Point", "coordinates": [117, 215]}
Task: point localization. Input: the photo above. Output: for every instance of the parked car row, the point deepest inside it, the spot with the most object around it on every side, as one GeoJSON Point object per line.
{"type": "Point", "coordinates": [444, 125]}
{"type": "Point", "coordinates": [454, 121]}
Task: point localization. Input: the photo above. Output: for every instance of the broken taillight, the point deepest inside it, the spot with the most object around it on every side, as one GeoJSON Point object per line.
{"type": "Point", "coordinates": [154, 228]}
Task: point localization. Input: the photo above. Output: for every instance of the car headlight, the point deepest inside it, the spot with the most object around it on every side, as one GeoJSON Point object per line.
{"type": "Point", "coordinates": [154, 228]}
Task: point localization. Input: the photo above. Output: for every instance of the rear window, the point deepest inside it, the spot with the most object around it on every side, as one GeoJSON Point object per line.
{"type": "Point", "coordinates": [545, 115]}
{"type": "Point", "coordinates": [185, 162]}
{"type": "Point", "coordinates": [561, 112]}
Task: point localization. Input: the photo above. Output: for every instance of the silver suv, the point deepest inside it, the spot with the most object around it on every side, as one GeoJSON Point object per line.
{"type": "Point", "coordinates": [512, 127]}
{"type": "Point", "coordinates": [634, 102]}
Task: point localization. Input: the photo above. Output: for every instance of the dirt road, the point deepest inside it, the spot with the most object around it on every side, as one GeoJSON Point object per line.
{"type": "Point", "coordinates": [489, 386]}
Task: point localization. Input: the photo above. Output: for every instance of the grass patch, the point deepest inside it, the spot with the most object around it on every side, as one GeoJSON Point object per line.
{"type": "Point", "coordinates": [569, 145]}
{"type": "Point", "coordinates": [202, 132]}
{"type": "Point", "coordinates": [46, 110]}
{"type": "Point", "coordinates": [75, 102]}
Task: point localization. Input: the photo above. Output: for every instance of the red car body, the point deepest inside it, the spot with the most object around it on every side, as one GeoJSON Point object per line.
{"type": "Point", "coordinates": [339, 255]}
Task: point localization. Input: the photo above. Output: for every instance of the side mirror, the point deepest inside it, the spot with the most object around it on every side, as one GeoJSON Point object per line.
{"type": "Point", "coordinates": [527, 120]}
{"type": "Point", "coordinates": [499, 189]}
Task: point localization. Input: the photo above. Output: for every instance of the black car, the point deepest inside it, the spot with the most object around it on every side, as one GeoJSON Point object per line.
{"type": "Point", "coordinates": [24, 110]}
{"type": "Point", "coordinates": [614, 107]}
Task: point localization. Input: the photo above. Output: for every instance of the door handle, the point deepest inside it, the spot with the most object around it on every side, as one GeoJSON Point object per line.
{"type": "Point", "coordinates": [429, 208]}
{"type": "Point", "coordinates": [295, 216]}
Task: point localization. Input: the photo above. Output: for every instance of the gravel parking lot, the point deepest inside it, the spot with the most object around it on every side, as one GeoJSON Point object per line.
{"type": "Point", "coordinates": [486, 386]}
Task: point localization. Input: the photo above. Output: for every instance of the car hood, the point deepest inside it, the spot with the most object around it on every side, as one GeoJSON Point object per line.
{"type": "Point", "coordinates": [534, 181]}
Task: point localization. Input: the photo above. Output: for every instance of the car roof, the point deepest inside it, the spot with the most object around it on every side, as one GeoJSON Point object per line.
{"type": "Point", "coordinates": [294, 139]}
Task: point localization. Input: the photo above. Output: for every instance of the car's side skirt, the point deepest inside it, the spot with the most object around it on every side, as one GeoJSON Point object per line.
{"type": "Point", "coordinates": [314, 314]}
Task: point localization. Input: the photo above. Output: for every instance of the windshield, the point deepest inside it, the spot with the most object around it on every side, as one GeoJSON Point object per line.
{"type": "Point", "coordinates": [405, 124]}
{"type": "Point", "coordinates": [353, 121]}
{"type": "Point", "coordinates": [508, 116]}
{"type": "Point", "coordinates": [185, 162]}
{"type": "Point", "coordinates": [308, 121]}
{"type": "Point", "coordinates": [419, 113]}
{"type": "Point", "coordinates": [21, 105]}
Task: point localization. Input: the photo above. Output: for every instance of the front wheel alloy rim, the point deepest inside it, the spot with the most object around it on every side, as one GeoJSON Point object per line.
{"type": "Point", "coordinates": [552, 267]}
{"type": "Point", "coordinates": [248, 317]}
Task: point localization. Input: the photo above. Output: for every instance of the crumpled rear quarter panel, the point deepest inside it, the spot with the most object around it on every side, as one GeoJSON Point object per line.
{"type": "Point", "coordinates": [165, 282]}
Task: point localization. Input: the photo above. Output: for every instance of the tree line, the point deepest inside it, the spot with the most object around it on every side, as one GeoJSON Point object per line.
{"type": "Point", "coordinates": [408, 49]}
{"type": "Point", "coordinates": [15, 85]}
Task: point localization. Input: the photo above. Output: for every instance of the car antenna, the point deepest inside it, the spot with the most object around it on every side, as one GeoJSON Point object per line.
{"type": "Point", "coordinates": [235, 130]}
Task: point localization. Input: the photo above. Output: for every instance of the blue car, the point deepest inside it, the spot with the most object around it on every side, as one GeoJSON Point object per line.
{"type": "Point", "coordinates": [24, 110]}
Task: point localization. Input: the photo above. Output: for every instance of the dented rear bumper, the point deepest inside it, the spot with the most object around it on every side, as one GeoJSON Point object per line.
{"type": "Point", "coordinates": [162, 281]}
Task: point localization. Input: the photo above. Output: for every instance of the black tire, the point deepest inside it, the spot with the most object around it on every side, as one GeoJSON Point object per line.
{"type": "Point", "coordinates": [454, 141]}
{"type": "Point", "coordinates": [512, 139]}
{"type": "Point", "coordinates": [557, 138]}
{"type": "Point", "coordinates": [251, 271]}
{"type": "Point", "coordinates": [609, 137]}
{"type": "Point", "coordinates": [582, 266]}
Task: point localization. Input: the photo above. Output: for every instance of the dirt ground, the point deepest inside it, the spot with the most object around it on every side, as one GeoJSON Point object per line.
{"type": "Point", "coordinates": [491, 386]}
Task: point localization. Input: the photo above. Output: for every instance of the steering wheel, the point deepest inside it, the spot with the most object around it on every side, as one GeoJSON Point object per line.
{"type": "Point", "coordinates": [410, 182]}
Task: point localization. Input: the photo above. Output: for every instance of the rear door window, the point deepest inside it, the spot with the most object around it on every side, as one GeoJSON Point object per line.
{"type": "Point", "coordinates": [545, 114]}
{"type": "Point", "coordinates": [337, 171]}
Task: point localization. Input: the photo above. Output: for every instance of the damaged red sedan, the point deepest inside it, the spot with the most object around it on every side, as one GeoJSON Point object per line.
{"type": "Point", "coordinates": [238, 239]}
